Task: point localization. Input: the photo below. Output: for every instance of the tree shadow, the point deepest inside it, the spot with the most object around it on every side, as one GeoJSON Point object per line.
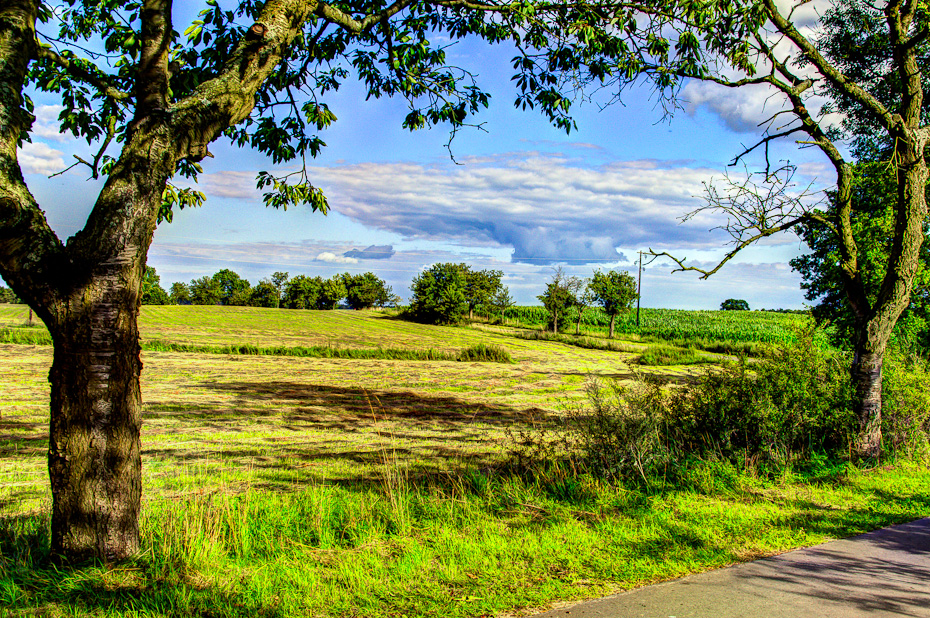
{"type": "Point", "coordinates": [311, 424]}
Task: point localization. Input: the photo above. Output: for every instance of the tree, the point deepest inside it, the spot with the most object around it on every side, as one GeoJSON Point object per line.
{"type": "Point", "coordinates": [205, 291]}
{"type": "Point", "coordinates": [302, 292]}
{"type": "Point", "coordinates": [126, 78]}
{"type": "Point", "coordinates": [502, 301]}
{"type": "Point", "coordinates": [733, 304]}
{"type": "Point", "coordinates": [615, 291]}
{"type": "Point", "coordinates": [480, 287]}
{"type": "Point", "coordinates": [332, 290]}
{"type": "Point", "coordinates": [559, 296]}
{"type": "Point", "coordinates": [439, 294]}
{"type": "Point", "coordinates": [8, 296]}
{"type": "Point", "coordinates": [234, 290]}
{"type": "Point", "coordinates": [180, 293]}
{"type": "Point", "coordinates": [873, 230]}
{"type": "Point", "coordinates": [758, 43]}
{"type": "Point", "coordinates": [152, 292]}
{"type": "Point", "coordinates": [583, 299]}
{"type": "Point", "coordinates": [265, 294]}
{"type": "Point", "coordinates": [366, 290]}
{"type": "Point", "coordinates": [279, 280]}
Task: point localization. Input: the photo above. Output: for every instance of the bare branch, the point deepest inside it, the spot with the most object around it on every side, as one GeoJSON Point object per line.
{"type": "Point", "coordinates": [755, 211]}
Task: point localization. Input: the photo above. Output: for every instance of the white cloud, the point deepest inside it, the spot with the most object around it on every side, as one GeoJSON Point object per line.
{"type": "Point", "coordinates": [47, 125]}
{"type": "Point", "coordinates": [332, 258]}
{"type": "Point", "coordinates": [545, 208]}
{"type": "Point", "coordinates": [40, 158]}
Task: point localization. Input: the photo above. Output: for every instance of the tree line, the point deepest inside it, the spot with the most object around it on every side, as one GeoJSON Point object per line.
{"type": "Point", "coordinates": [446, 293]}
{"type": "Point", "coordinates": [226, 287]}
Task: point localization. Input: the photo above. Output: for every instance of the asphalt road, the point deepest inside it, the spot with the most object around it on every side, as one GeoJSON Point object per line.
{"type": "Point", "coordinates": [881, 574]}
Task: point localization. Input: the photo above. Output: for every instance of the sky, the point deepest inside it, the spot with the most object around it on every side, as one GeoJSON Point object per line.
{"type": "Point", "coordinates": [519, 196]}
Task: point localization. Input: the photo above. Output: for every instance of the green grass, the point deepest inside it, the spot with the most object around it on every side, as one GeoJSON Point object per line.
{"type": "Point", "coordinates": [301, 486]}
{"type": "Point", "coordinates": [472, 545]}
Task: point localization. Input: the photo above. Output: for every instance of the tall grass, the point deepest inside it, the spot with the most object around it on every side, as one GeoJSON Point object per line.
{"type": "Point", "coordinates": [461, 546]}
{"type": "Point", "coordinates": [476, 353]}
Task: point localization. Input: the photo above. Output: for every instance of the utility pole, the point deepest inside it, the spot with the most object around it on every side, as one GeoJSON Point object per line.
{"type": "Point", "coordinates": [639, 286]}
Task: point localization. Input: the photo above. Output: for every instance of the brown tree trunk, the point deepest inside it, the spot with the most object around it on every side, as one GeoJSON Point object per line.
{"type": "Point", "coordinates": [613, 318]}
{"type": "Point", "coordinates": [867, 375]}
{"type": "Point", "coordinates": [94, 458]}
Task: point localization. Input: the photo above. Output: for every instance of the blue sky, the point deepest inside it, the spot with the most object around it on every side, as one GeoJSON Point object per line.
{"type": "Point", "coordinates": [521, 196]}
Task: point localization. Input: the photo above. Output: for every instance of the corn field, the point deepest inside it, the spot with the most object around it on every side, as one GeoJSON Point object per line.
{"type": "Point", "coordinates": [673, 324]}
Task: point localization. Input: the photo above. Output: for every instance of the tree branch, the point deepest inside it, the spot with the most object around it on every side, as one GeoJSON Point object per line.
{"type": "Point", "coordinates": [830, 72]}
{"type": "Point", "coordinates": [78, 72]}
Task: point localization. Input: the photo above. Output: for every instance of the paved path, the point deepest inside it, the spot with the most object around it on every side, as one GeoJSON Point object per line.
{"type": "Point", "coordinates": [881, 574]}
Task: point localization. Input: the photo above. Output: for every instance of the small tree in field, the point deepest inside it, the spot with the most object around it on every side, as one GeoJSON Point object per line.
{"type": "Point", "coordinates": [439, 294]}
{"type": "Point", "coordinates": [332, 291]}
{"type": "Point", "coordinates": [279, 280]}
{"type": "Point", "coordinates": [480, 287]}
{"type": "Point", "coordinates": [733, 304]}
{"type": "Point", "coordinates": [615, 291]}
{"type": "Point", "coordinates": [302, 292]}
{"type": "Point", "coordinates": [366, 290]}
{"type": "Point", "coordinates": [502, 301]}
{"type": "Point", "coordinates": [559, 296]}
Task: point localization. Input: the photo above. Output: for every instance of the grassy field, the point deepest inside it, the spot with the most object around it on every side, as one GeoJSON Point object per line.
{"type": "Point", "coordinates": [284, 486]}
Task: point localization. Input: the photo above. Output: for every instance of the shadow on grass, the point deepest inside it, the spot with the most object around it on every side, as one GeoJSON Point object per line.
{"type": "Point", "coordinates": [308, 424]}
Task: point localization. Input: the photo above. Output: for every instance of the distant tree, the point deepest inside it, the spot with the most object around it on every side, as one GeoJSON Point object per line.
{"type": "Point", "coordinates": [583, 299]}
{"type": "Point", "coordinates": [332, 290]}
{"type": "Point", "coordinates": [152, 292]}
{"type": "Point", "coordinates": [502, 301]}
{"type": "Point", "coordinates": [366, 290]}
{"type": "Point", "coordinates": [480, 287]}
{"type": "Point", "coordinates": [234, 290]}
{"type": "Point", "coordinates": [8, 296]}
{"type": "Point", "coordinates": [205, 291]}
{"type": "Point", "coordinates": [733, 304]}
{"type": "Point", "coordinates": [265, 294]}
{"type": "Point", "coordinates": [180, 293]}
{"type": "Point", "coordinates": [279, 280]}
{"type": "Point", "coordinates": [559, 296]}
{"type": "Point", "coordinates": [615, 291]}
{"type": "Point", "coordinates": [302, 292]}
{"type": "Point", "coordinates": [439, 294]}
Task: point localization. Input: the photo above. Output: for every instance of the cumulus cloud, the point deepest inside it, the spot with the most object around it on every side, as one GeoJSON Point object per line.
{"type": "Point", "coordinates": [372, 252]}
{"type": "Point", "coordinates": [545, 208]}
{"type": "Point", "coordinates": [332, 258]}
{"type": "Point", "coordinates": [39, 158]}
{"type": "Point", "coordinates": [47, 125]}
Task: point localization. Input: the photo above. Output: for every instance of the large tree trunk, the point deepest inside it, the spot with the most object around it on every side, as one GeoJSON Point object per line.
{"type": "Point", "coordinates": [94, 458]}
{"type": "Point", "coordinates": [867, 375]}
{"type": "Point", "coordinates": [613, 319]}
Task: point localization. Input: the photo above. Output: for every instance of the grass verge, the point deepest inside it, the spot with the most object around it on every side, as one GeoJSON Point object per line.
{"type": "Point", "coordinates": [469, 545]}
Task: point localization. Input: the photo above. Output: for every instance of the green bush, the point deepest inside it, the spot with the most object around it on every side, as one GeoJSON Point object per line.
{"type": "Point", "coordinates": [906, 406]}
{"type": "Point", "coordinates": [783, 408]}
{"type": "Point", "coordinates": [482, 353]}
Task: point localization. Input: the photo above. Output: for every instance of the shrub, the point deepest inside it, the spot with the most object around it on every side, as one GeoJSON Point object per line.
{"type": "Point", "coordinates": [906, 406]}
{"type": "Point", "coordinates": [481, 353]}
{"type": "Point", "coordinates": [670, 355]}
{"type": "Point", "coordinates": [785, 407]}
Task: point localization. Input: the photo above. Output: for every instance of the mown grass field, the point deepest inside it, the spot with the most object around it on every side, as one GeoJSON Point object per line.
{"type": "Point", "coordinates": [281, 486]}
